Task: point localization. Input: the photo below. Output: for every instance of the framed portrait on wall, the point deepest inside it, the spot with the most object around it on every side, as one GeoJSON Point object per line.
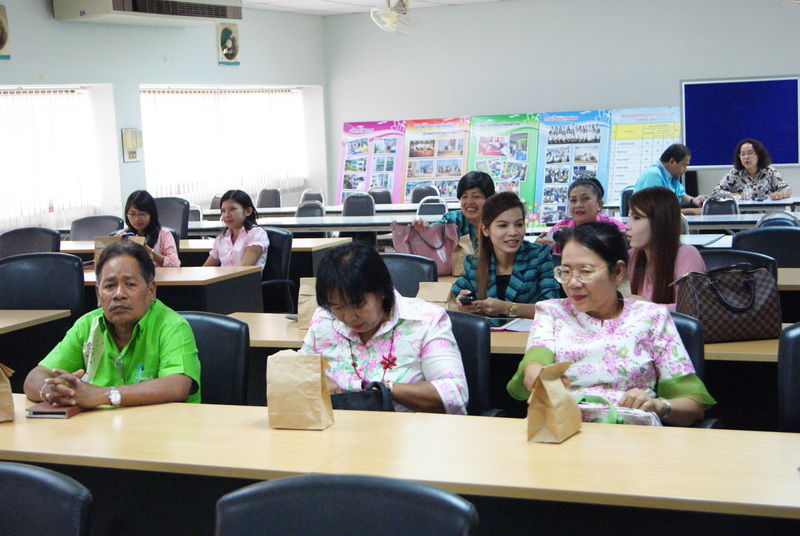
{"type": "Point", "coordinates": [228, 44]}
{"type": "Point", "coordinates": [5, 38]}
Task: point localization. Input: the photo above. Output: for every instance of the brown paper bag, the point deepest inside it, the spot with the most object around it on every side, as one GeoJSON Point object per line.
{"type": "Point", "coordinates": [102, 242]}
{"type": "Point", "coordinates": [306, 301]}
{"type": "Point", "coordinates": [6, 399]}
{"type": "Point", "coordinates": [463, 249]}
{"type": "Point", "coordinates": [553, 415]}
{"type": "Point", "coordinates": [297, 391]}
{"type": "Point", "coordinates": [440, 293]}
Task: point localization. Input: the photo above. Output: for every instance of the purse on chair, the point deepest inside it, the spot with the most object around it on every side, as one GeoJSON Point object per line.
{"type": "Point", "coordinates": [436, 242]}
{"type": "Point", "coordinates": [375, 397]}
{"type": "Point", "coordinates": [733, 303]}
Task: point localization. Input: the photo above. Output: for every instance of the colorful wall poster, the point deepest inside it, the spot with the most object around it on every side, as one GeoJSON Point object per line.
{"type": "Point", "coordinates": [638, 137]}
{"type": "Point", "coordinates": [572, 145]}
{"type": "Point", "coordinates": [505, 147]}
{"type": "Point", "coordinates": [370, 157]}
{"type": "Point", "coordinates": [435, 153]}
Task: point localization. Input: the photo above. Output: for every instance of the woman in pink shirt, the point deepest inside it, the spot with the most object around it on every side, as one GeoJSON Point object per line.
{"type": "Point", "coordinates": [243, 243]}
{"type": "Point", "coordinates": [657, 257]}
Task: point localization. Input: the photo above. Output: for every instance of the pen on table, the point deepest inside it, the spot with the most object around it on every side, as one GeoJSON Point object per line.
{"type": "Point", "coordinates": [139, 373]}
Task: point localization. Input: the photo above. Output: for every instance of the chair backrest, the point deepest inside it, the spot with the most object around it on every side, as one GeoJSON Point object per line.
{"type": "Point", "coordinates": [685, 225]}
{"type": "Point", "coordinates": [423, 191]}
{"type": "Point", "coordinates": [624, 197]}
{"type": "Point", "coordinates": [29, 240]}
{"type": "Point", "coordinates": [382, 196]}
{"type": "Point", "coordinates": [195, 213]}
{"type": "Point", "coordinates": [789, 379]}
{"type": "Point", "coordinates": [408, 271]}
{"type": "Point", "coordinates": [173, 212]}
{"type": "Point", "coordinates": [358, 204]}
{"type": "Point", "coordinates": [222, 345]}
{"type": "Point", "coordinates": [216, 201]}
{"type": "Point", "coordinates": [473, 335]}
{"type": "Point", "coordinates": [406, 508]}
{"type": "Point", "coordinates": [90, 226]}
{"type": "Point", "coordinates": [718, 257]}
{"type": "Point", "coordinates": [431, 205]}
{"type": "Point", "coordinates": [691, 332]}
{"type": "Point", "coordinates": [312, 194]}
{"type": "Point", "coordinates": [24, 492]}
{"type": "Point", "coordinates": [269, 197]}
{"type": "Point", "coordinates": [310, 209]}
{"type": "Point", "coordinates": [778, 218]}
{"type": "Point", "coordinates": [176, 238]}
{"type": "Point", "coordinates": [42, 281]}
{"type": "Point", "coordinates": [780, 243]}
{"type": "Point", "coordinates": [279, 254]}
{"type": "Point", "coordinates": [720, 204]}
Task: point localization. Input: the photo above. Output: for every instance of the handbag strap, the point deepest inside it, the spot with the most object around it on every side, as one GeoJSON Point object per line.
{"type": "Point", "coordinates": [444, 236]}
{"type": "Point", "coordinates": [611, 417]}
{"type": "Point", "coordinates": [748, 284]}
{"type": "Point", "coordinates": [386, 394]}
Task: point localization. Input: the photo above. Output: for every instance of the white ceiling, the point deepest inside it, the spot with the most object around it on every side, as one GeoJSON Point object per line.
{"type": "Point", "coordinates": [338, 7]}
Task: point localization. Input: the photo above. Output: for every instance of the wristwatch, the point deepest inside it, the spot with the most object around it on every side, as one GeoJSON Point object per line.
{"type": "Point", "coordinates": [666, 405]}
{"type": "Point", "coordinates": [514, 311]}
{"type": "Point", "coordinates": [114, 396]}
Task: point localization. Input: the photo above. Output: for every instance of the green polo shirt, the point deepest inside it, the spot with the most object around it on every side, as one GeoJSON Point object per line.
{"type": "Point", "coordinates": [162, 344]}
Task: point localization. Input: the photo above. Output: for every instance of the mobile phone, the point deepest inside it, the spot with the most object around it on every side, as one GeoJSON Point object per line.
{"type": "Point", "coordinates": [467, 298]}
{"type": "Point", "coordinates": [125, 235]}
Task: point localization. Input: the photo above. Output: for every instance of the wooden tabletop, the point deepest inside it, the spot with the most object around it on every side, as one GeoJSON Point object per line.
{"type": "Point", "coordinates": [203, 245]}
{"type": "Point", "coordinates": [14, 319]}
{"type": "Point", "coordinates": [189, 275]}
{"type": "Point", "coordinates": [722, 471]}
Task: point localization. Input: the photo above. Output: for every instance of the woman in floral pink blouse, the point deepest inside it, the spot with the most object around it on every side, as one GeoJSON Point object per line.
{"type": "Point", "coordinates": [368, 332]}
{"type": "Point", "coordinates": [627, 351]}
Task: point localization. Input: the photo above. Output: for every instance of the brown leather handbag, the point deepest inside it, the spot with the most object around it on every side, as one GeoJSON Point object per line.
{"type": "Point", "coordinates": [733, 303]}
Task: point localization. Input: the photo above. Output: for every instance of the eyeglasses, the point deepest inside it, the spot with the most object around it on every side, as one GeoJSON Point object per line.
{"type": "Point", "coordinates": [749, 153]}
{"type": "Point", "coordinates": [585, 273]}
{"type": "Point", "coordinates": [132, 215]}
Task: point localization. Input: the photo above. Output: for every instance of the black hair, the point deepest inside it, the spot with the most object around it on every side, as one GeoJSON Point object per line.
{"type": "Point", "coordinates": [243, 199]}
{"type": "Point", "coordinates": [764, 161]}
{"type": "Point", "coordinates": [591, 184]}
{"type": "Point", "coordinates": [353, 270]}
{"type": "Point", "coordinates": [676, 151]}
{"type": "Point", "coordinates": [130, 248]}
{"type": "Point", "coordinates": [601, 237]}
{"type": "Point", "coordinates": [143, 201]}
{"type": "Point", "coordinates": [476, 179]}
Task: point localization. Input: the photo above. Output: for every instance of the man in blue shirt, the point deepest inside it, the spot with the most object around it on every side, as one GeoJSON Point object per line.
{"type": "Point", "coordinates": [667, 173]}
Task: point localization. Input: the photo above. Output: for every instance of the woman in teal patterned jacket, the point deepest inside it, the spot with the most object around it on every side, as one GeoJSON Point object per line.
{"type": "Point", "coordinates": [508, 275]}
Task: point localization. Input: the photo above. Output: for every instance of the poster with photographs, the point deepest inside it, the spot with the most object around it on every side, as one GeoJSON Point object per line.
{"type": "Point", "coordinates": [5, 36]}
{"type": "Point", "coordinates": [572, 146]}
{"type": "Point", "coordinates": [436, 154]}
{"type": "Point", "coordinates": [505, 147]}
{"type": "Point", "coordinates": [228, 44]}
{"type": "Point", "coordinates": [638, 137]}
{"type": "Point", "coordinates": [370, 158]}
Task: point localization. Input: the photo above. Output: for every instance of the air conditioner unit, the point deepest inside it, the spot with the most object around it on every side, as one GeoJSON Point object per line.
{"type": "Point", "coordinates": [148, 12]}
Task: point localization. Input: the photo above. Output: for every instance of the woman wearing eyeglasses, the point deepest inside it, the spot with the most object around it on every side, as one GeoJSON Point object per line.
{"type": "Point", "coordinates": [657, 257]}
{"type": "Point", "coordinates": [626, 351]}
{"type": "Point", "coordinates": [141, 218]}
{"type": "Point", "coordinates": [752, 173]}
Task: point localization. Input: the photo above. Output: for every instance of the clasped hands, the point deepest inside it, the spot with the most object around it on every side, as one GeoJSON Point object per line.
{"type": "Point", "coordinates": [67, 389]}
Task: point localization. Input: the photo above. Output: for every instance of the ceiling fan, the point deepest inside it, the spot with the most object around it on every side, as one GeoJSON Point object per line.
{"type": "Point", "coordinates": [393, 19]}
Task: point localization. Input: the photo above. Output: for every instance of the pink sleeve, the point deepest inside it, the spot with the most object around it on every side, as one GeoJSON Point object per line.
{"type": "Point", "coordinates": [166, 247]}
{"type": "Point", "coordinates": [688, 260]}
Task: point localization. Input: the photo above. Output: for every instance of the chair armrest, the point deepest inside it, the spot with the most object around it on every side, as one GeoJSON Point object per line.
{"type": "Point", "coordinates": [494, 413]}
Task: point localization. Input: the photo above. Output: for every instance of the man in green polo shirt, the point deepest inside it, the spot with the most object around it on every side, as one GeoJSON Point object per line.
{"type": "Point", "coordinates": [132, 351]}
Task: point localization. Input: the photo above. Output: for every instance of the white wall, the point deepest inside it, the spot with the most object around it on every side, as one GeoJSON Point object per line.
{"type": "Point", "coordinates": [552, 55]}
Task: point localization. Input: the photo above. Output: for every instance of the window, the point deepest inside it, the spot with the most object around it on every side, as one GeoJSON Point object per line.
{"type": "Point", "coordinates": [199, 142]}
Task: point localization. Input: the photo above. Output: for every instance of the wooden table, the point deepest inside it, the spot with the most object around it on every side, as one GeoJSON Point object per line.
{"type": "Point", "coordinates": [381, 222]}
{"type": "Point", "coordinates": [14, 319]}
{"type": "Point", "coordinates": [218, 289]}
{"type": "Point", "coordinates": [332, 210]}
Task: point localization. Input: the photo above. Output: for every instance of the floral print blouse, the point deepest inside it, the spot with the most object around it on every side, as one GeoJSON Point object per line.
{"type": "Point", "coordinates": [766, 181]}
{"type": "Point", "coordinates": [418, 335]}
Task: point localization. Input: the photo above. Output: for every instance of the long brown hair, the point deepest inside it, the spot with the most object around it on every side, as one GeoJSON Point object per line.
{"type": "Point", "coordinates": [492, 208]}
{"type": "Point", "coordinates": [660, 206]}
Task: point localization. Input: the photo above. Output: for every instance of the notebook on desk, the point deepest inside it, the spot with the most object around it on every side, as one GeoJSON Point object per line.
{"type": "Point", "coordinates": [44, 410]}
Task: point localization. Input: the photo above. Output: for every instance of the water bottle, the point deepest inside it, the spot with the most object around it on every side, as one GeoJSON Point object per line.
{"type": "Point", "coordinates": [747, 193]}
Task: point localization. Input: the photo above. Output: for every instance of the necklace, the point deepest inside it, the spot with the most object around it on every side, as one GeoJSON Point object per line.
{"type": "Point", "coordinates": [388, 362]}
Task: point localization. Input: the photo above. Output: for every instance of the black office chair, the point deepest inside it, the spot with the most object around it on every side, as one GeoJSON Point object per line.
{"type": "Point", "coordinates": [720, 204]}
{"type": "Point", "coordinates": [778, 218]}
{"type": "Point", "coordinates": [276, 287]}
{"type": "Point", "coordinates": [691, 333]}
{"type": "Point", "coordinates": [408, 271]}
{"type": "Point", "coordinates": [360, 204]}
{"type": "Point", "coordinates": [718, 257]}
{"type": "Point", "coordinates": [222, 346]}
{"type": "Point", "coordinates": [624, 197]}
{"type": "Point", "coordinates": [173, 212]}
{"type": "Point", "coordinates": [780, 243]}
{"type": "Point", "coordinates": [382, 196]}
{"type": "Point", "coordinates": [216, 202]}
{"type": "Point", "coordinates": [35, 500]}
{"type": "Point", "coordinates": [176, 238]}
{"type": "Point", "coordinates": [789, 379]}
{"type": "Point", "coordinates": [431, 205]}
{"type": "Point", "coordinates": [423, 191]}
{"type": "Point", "coordinates": [29, 240]}
{"type": "Point", "coordinates": [685, 229]}
{"type": "Point", "coordinates": [473, 336]}
{"type": "Point", "coordinates": [312, 194]}
{"type": "Point", "coordinates": [310, 209]}
{"type": "Point", "coordinates": [269, 197]}
{"type": "Point", "coordinates": [89, 227]}
{"type": "Point", "coordinates": [195, 213]}
{"type": "Point", "coordinates": [347, 504]}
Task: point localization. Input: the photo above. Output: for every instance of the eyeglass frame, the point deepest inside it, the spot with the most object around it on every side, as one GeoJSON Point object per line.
{"type": "Point", "coordinates": [745, 155]}
{"type": "Point", "coordinates": [575, 274]}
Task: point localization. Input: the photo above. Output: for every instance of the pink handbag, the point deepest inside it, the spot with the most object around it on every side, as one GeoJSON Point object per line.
{"type": "Point", "coordinates": [435, 242]}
